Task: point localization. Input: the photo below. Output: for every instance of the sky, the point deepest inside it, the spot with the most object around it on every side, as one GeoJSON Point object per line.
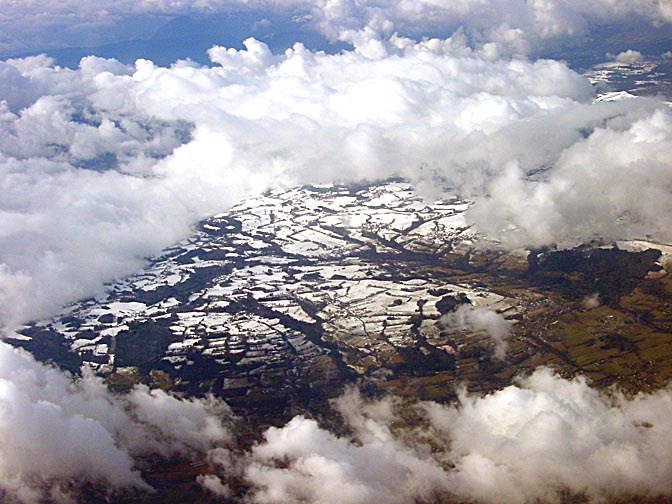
{"type": "Point", "coordinates": [105, 162]}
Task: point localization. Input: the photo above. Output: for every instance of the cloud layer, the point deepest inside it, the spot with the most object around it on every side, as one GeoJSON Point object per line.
{"type": "Point", "coordinates": [611, 184]}
{"type": "Point", "coordinates": [105, 165]}
{"type": "Point", "coordinates": [56, 432]}
{"type": "Point", "coordinates": [539, 440]}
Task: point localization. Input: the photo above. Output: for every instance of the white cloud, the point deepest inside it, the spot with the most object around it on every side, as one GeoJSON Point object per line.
{"type": "Point", "coordinates": [15, 90]}
{"type": "Point", "coordinates": [56, 432]}
{"type": "Point", "coordinates": [108, 164]}
{"type": "Point", "coordinates": [324, 468]}
{"type": "Point", "coordinates": [530, 442]}
{"type": "Point", "coordinates": [535, 440]}
{"type": "Point", "coordinates": [610, 185]}
{"type": "Point", "coordinates": [546, 435]}
{"type": "Point", "coordinates": [481, 319]}
{"type": "Point", "coordinates": [105, 165]}
{"type": "Point", "coordinates": [630, 57]}
{"type": "Point", "coordinates": [214, 485]}
{"type": "Point", "coordinates": [592, 301]}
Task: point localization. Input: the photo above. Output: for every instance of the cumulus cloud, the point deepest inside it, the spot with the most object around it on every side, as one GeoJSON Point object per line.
{"type": "Point", "coordinates": [480, 319]}
{"type": "Point", "coordinates": [56, 431]}
{"type": "Point", "coordinates": [629, 57]}
{"type": "Point", "coordinates": [325, 468]}
{"type": "Point", "coordinates": [608, 185]}
{"type": "Point", "coordinates": [105, 165]}
{"type": "Point", "coordinates": [108, 164]}
{"type": "Point", "coordinates": [214, 485]}
{"type": "Point", "coordinates": [535, 441]}
{"type": "Point", "coordinates": [15, 90]}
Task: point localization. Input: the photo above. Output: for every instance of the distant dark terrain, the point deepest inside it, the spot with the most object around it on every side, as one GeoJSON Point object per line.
{"type": "Point", "coordinates": [190, 37]}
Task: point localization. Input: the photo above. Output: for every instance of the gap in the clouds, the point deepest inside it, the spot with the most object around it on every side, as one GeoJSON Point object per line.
{"type": "Point", "coordinates": [190, 37]}
{"type": "Point", "coordinates": [651, 41]}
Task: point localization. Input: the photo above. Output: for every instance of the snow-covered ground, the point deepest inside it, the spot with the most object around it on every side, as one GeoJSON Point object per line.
{"type": "Point", "coordinates": [286, 278]}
